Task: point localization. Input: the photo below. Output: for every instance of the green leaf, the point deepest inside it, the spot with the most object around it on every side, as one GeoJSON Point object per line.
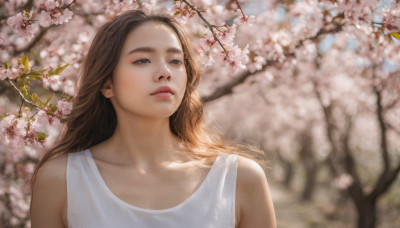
{"type": "Point", "coordinates": [52, 109]}
{"type": "Point", "coordinates": [25, 61]}
{"type": "Point", "coordinates": [42, 136]}
{"type": "Point", "coordinates": [6, 66]}
{"type": "Point", "coordinates": [35, 73]}
{"type": "Point", "coordinates": [49, 99]}
{"type": "Point", "coordinates": [34, 97]}
{"type": "Point", "coordinates": [395, 35]}
{"type": "Point", "coordinates": [177, 13]}
{"type": "Point", "coordinates": [60, 69]}
{"type": "Point", "coordinates": [24, 92]}
{"type": "Point", "coordinates": [34, 78]}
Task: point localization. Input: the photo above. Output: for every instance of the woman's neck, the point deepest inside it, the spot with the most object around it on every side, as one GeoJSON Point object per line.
{"type": "Point", "coordinates": [145, 144]}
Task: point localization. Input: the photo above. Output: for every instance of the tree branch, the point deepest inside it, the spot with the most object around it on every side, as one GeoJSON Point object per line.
{"type": "Point", "coordinates": [26, 7]}
{"type": "Point", "coordinates": [385, 181]}
{"type": "Point", "coordinates": [210, 26]}
{"type": "Point", "coordinates": [382, 126]}
{"type": "Point", "coordinates": [329, 131]}
{"type": "Point", "coordinates": [227, 88]}
{"type": "Point", "coordinates": [356, 190]}
{"type": "Point", "coordinates": [22, 95]}
{"type": "Point", "coordinates": [33, 42]}
{"type": "Point", "coordinates": [387, 176]}
{"type": "Point", "coordinates": [323, 31]}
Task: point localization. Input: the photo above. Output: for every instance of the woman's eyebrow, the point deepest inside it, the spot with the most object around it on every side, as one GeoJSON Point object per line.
{"type": "Point", "coordinates": [150, 49]}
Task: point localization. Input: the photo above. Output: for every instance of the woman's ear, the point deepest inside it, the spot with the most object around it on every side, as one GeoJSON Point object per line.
{"type": "Point", "coordinates": [107, 89]}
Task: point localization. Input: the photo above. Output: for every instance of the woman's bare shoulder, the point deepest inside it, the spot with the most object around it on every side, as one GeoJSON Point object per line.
{"type": "Point", "coordinates": [253, 195]}
{"type": "Point", "coordinates": [53, 170]}
{"type": "Point", "coordinates": [249, 172]}
{"type": "Point", "coordinates": [49, 193]}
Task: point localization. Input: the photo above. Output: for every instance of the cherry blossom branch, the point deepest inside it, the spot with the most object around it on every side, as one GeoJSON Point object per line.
{"type": "Point", "coordinates": [27, 6]}
{"type": "Point", "coordinates": [34, 41]}
{"type": "Point", "coordinates": [324, 31]}
{"type": "Point", "coordinates": [22, 95]}
{"type": "Point", "coordinates": [210, 26]}
{"type": "Point", "coordinates": [240, 8]}
{"type": "Point", "coordinates": [67, 6]}
{"type": "Point", "coordinates": [227, 88]}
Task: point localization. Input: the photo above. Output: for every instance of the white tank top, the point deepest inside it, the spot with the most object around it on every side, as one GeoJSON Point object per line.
{"type": "Point", "coordinates": [91, 204]}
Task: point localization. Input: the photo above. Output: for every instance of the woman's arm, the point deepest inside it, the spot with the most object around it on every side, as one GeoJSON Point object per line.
{"type": "Point", "coordinates": [253, 196]}
{"type": "Point", "coordinates": [49, 194]}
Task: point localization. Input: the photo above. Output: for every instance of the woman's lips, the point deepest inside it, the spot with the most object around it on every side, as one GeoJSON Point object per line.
{"type": "Point", "coordinates": [163, 90]}
{"type": "Point", "coordinates": [163, 95]}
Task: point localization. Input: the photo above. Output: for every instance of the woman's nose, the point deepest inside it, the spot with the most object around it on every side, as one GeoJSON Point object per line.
{"type": "Point", "coordinates": [163, 73]}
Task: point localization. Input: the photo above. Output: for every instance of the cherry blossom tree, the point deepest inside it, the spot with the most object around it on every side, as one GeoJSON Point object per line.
{"type": "Point", "coordinates": [321, 79]}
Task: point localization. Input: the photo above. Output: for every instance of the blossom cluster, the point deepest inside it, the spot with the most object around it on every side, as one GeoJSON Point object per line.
{"type": "Point", "coordinates": [391, 18]}
{"type": "Point", "coordinates": [17, 131]}
{"type": "Point", "coordinates": [357, 11]}
{"type": "Point", "coordinates": [233, 54]}
{"type": "Point", "coordinates": [182, 11]}
{"type": "Point", "coordinates": [23, 24]}
{"type": "Point", "coordinates": [53, 14]}
{"type": "Point", "coordinates": [11, 72]}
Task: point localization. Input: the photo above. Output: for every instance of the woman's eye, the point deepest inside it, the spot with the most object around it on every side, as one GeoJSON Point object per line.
{"type": "Point", "coordinates": [176, 61]}
{"type": "Point", "coordinates": [142, 61]}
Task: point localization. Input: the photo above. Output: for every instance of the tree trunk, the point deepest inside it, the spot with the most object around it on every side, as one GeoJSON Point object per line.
{"type": "Point", "coordinates": [288, 167]}
{"type": "Point", "coordinates": [366, 214]}
{"type": "Point", "coordinates": [309, 187]}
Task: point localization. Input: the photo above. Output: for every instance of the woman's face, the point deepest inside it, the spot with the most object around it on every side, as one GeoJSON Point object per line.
{"type": "Point", "coordinates": [151, 58]}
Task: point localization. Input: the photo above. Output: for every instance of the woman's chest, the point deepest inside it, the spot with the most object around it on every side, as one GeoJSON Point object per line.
{"type": "Point", "coordinates": [157, 191]}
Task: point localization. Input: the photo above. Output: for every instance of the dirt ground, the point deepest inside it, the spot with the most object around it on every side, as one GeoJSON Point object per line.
{"type": "Point", "coordinates": [323, 211]}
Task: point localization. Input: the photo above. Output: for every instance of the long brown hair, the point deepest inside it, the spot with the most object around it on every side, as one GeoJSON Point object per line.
{"type": "Point", "coordinates": [93, 118]}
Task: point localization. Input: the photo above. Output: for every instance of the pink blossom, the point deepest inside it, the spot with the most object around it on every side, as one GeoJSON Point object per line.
{"type": "Point", "coordinates": [53, 14]}
{"type": "Point", "coordinates": [357, 11]}
{"type": "Point", "coordinates": [8, 121]}
{"type": "Point", "coordinates": [21, 127]}
{"type": "Point", "coordinates": [64, 107]}
{"type": "Point", "coordinates": [11, 73]}
{"type": "Point", "coordinates": [181, 11]}
{"type": "Point", "coordinates": [13, 134]}
{"type": "Point", "coordinates": [206, 42]}
{"type": "Point", "coordinates": [245, 20]}
{"type": "Point", "coordinates": [226, 37]}
{"type": "Point", "coordinates": [54, 82]}
{"type": "Point", "coordinates": [206, 58]}
{"type": "Point", "coordinates": [45, 19]}
{"type": "Point", "coordinates": [236, 58]}
{"type": "Point", "coordinates": [22, 23]}
{"type": "Point", "coordinates": [51, 4]}
{"type": "Point", "coordinates": [41, 121]}
{"type": "Point", "coordinates": [391, 19]}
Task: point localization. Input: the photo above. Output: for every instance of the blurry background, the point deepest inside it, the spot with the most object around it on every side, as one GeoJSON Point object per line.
{"type": "Point", "coordinates": [315, 84]}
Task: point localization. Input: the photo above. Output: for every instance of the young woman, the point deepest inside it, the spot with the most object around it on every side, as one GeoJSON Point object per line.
{"type": "Point", "coordinates": [136, 152]}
